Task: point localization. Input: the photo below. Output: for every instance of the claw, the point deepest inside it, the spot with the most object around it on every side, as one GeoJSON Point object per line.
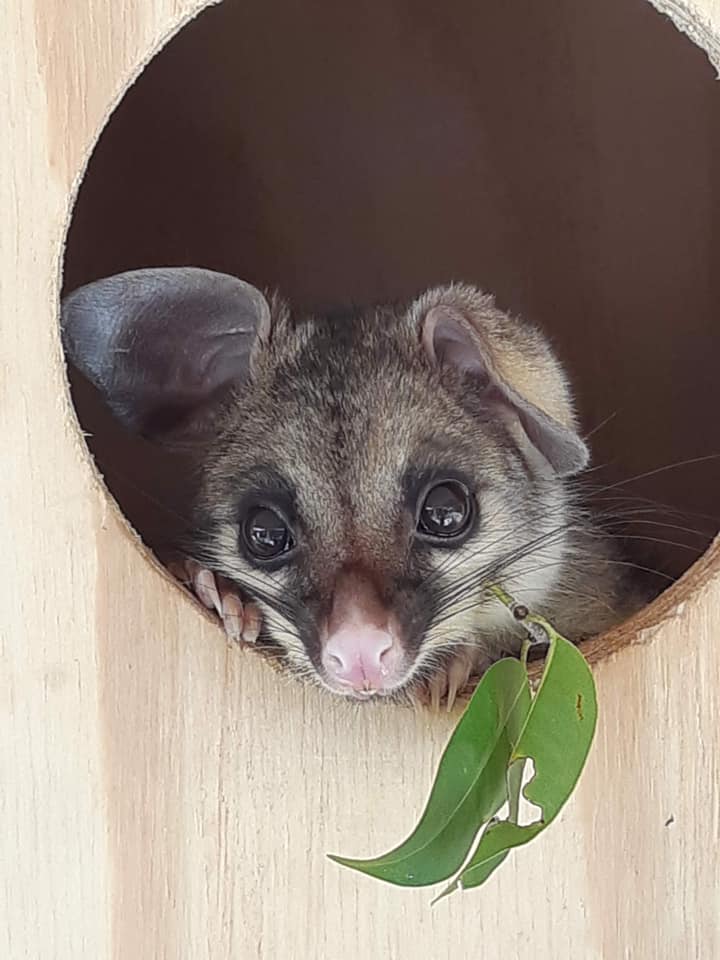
{"type": "Point", "coordinates": [232, 615]}
{"type": "Point", "coordinates": [251, 623]}
{"type": "Point", "coordinates": [242, 622]}
{"type": "Point", "coordinates": [451, 694]}
{"type": "Point", "coordinates": [436, 687]}
{"type": "Point", "coordinates": [458, 674]}
{"type": "Point", "coordinates": [204, 585]}
{"type": "Point", "coordinates": [416, 701]}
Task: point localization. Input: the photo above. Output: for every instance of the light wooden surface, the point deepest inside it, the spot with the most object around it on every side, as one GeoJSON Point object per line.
{"type": "Point", "coordinates": [163, 796]}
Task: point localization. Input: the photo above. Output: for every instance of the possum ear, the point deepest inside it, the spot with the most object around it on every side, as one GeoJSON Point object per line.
{"type": "Point", "coordinates": [161, 344]}
{"type": "Point", "coordinates": [511, 363]}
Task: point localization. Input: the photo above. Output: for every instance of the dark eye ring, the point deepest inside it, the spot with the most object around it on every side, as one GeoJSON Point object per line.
{"type": "Point", "coordinates": [266, 534]}
{"type": "Point", "coordinates": [445, 512]}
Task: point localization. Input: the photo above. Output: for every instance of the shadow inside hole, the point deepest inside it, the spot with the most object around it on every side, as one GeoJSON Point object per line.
{"type": "Point", "coordinates": [563, 156]}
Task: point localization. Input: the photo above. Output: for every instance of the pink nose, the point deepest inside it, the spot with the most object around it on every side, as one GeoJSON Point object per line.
{"type": "Point", "coordinates": [361, 657]}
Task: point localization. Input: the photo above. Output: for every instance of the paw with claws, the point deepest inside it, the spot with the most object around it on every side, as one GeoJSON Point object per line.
{"type": "Point", "coordinates": [241, 620]}
{"type": "Point", "coordinates": [452, 681]}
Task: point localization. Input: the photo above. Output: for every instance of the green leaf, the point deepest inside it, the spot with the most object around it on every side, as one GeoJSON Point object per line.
{"type": "Point", "coordinates": [482, 766]}
{"type": "Point", "coordinates": [470, 785]}
{"type": "Point", "coordinates": [557, 735]}
{"type": "Point", "coordinates": [514, 783]}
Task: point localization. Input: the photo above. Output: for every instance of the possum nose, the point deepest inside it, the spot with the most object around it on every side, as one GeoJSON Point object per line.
{"type": "Point", "coordinates": [364, 658]}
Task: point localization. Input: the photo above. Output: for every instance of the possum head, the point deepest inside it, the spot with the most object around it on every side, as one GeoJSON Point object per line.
{"type": "Point", "coordinates": [365, 476]}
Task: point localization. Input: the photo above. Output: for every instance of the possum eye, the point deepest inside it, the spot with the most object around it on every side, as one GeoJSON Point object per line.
{"type": "Point", "coordinates": [446, 511]}
{"type": "Point", "coordinates": [265, 534]}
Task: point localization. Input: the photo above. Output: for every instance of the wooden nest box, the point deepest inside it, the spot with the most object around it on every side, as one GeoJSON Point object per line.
{"type": "Point", "coordinates": [165, 796]}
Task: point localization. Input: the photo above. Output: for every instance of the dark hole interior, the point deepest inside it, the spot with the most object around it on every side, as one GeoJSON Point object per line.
{"type": "Point", "coordinates": [562, 155]}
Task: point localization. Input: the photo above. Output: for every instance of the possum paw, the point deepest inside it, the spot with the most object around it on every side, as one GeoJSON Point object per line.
{"type": "Point", "coordinates": [241, 620]}
{"type": "Point", "coordinates": [448, 682]}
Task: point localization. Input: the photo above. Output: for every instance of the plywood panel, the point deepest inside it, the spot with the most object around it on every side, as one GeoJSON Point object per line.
{"type": "Point", "coordinates": [164, 796]}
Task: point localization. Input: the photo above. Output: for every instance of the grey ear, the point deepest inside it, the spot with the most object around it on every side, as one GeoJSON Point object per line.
{"type": "Point", "coordinates": [514, 366]}
{"type": "Point", "coordinates": [160, 343]}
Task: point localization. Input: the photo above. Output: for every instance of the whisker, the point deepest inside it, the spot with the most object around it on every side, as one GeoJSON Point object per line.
{"type": "Point", "coordinates": [603, 423]}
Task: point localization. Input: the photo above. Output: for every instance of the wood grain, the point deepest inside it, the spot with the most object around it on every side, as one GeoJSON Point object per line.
{"type": "Point", "coordinates": [162, 795]}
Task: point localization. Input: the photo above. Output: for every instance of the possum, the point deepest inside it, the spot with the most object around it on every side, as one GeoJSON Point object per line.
{"type": "Point", "coordinates": [364, 476]}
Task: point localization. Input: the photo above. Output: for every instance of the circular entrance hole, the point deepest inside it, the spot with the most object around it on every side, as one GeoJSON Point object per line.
{"type": "Point", "coordinates": [563, 156]}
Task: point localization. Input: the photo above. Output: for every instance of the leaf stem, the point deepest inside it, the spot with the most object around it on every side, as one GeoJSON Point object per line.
{"type": "Point", "coordinates": [537, 629]}
{"type": "Point", "coordinates": [514, 782]}
{"type": "Point", "coordinates": [524, 650]}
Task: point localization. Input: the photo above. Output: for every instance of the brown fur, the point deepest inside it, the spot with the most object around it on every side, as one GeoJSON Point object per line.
{"type": "Point", "coordinates": [342, 408]}
{"type": "Point", "coordinates": [343, 421]}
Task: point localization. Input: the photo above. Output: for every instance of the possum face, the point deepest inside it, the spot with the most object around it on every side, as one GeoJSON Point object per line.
{"type": "Point", "coordinates": [368, 476]}
{"type": "Point", "coordinates": [367, 495]}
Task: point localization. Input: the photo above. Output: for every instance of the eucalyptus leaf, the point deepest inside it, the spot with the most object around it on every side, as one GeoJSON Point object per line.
{"type": "Point", "coordinates": [482, 767]}
{"type": "Point", "coordinates": [557, 735]}
{"type": "Point", "coordinates": [470, 785]}
{"type": "Point", "coordinates": [514, 783]}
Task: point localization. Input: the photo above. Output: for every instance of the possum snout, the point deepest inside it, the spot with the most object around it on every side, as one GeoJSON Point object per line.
{"type": "Point", "coordinates": [362, 649]}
